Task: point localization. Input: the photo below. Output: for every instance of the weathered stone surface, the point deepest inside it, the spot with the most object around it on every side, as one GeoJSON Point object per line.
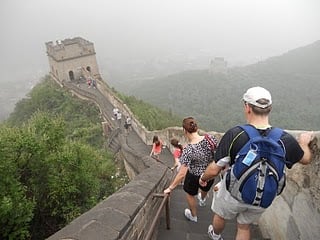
{"type": "Point", "coordinates": [295, 214]}
{"type": "Point", "coordinates": [139, 187]}
{"type": "Point", "coordinates": [98, 231]}
{"type": "Point", "coordinates": [273, 217]}
{"type": "Point", "coordinates": [112, 218]}
{"type": "Point", "coordinates": [305, 216]}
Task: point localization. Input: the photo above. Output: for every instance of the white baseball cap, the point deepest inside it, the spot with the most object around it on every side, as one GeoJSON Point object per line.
{"type": "Point", "coordinates": [254, 94]}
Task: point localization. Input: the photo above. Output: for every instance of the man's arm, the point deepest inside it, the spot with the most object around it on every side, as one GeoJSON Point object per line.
{"type": "Point", "coordinates": [304, 140]}
{"type": "Point", "coordinates": [211, 172]}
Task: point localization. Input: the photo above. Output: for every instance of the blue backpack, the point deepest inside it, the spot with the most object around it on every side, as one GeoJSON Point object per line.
{"type": "Point", "coordinates": [258, 173]}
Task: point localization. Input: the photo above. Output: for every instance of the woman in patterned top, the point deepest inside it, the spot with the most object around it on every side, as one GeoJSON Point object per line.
{"type": "Point", "coordinates": [196, 156]}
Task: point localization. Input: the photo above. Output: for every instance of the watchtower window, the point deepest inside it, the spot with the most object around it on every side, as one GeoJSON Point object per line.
{"type": "Point", "coordinates": [71, 75]}
{"type": "Point", "coordinates": [88, 69]}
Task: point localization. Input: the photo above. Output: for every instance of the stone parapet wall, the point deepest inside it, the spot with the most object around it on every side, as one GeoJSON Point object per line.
{"type": "Point", "coordinates": [295, 214]}
{"type": "Point", "coordinates": [126, 214]}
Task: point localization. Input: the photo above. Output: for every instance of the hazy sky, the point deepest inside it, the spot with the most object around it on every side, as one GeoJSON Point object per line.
{"type": "Point", "coordinates": [238, 30]}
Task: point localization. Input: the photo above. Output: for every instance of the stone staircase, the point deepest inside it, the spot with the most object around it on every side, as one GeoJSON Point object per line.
{"type": "Point", "coordinates": [181, 228]}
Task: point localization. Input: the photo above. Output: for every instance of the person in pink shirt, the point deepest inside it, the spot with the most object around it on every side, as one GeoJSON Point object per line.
{"type": "Point", "coordinates": [176, 153]}
{"type": "Point", "coordinates": [156, 147]}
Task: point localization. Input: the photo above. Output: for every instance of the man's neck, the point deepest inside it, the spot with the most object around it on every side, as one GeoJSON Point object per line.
{"type": "Point", "coordinates": [260, 122]}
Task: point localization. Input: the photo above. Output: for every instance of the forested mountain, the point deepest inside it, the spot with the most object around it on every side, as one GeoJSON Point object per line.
{"type": "Point", "coordinates": [53, 163]}
{"type": "Point", "coordinates": [215, 99]}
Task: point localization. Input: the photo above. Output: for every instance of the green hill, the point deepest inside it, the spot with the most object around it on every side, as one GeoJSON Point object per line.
{"type": "Point", "coordinates": [215, 99]}
{"type": "Point", "coordinates": [53, 163]}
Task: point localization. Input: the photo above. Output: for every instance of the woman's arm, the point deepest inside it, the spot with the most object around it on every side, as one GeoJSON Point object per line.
{"type": "Point", "coordinates": [152, 150]}
{"type": "Point", "coordinates": [177, 180]}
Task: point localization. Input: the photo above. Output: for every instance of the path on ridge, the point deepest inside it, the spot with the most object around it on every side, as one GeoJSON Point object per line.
{"type": "Point", "coordinates": [181, 228]}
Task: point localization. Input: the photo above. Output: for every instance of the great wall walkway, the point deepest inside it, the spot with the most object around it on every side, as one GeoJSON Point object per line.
{"type": "Point", "coordinates": [181, 228]}
{"type": "Point", "coordinates": [128, 214]}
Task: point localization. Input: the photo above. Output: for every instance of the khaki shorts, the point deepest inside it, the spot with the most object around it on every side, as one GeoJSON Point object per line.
{"type": "Point", "coordinates": [228, 207]}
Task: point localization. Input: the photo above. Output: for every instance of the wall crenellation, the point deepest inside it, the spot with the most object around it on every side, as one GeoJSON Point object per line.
{"type": "Point", "coordinates": [69, 48]}
{"type": "Point", "coordinates": [72, 59]}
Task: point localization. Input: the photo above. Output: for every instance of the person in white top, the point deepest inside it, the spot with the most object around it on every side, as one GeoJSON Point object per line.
{"type": "Point", "coordinates": [127, 124]}
{"type": "Point", "coordinates": [115, 111]}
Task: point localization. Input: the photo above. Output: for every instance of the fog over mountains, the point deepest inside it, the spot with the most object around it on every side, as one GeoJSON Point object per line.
{"type": "Point", "coordinates": [146, 39]}
{"type": "Point", "coordinates": [215, 99]}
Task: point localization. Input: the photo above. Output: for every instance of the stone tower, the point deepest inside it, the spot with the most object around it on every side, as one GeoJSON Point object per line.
{"type": "Point", "coordinates": [218, 65]}
{"type": "Point", "coordinates": [71, 59]}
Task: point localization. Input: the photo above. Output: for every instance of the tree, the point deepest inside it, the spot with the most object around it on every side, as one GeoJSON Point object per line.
{"type": "Point", "coordinates": [16, 209]}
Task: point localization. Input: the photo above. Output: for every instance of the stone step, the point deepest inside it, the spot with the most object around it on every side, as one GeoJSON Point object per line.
{"type": "Point", "coordinates": [181, 228]}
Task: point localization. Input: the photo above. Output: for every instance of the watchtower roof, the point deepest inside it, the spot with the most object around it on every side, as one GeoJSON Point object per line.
{"type": "Point", "coordinates": [69, 48]}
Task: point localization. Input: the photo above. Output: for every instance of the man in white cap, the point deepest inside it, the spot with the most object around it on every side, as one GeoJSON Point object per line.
{"type": "Point", "coordinates": [257, 106]}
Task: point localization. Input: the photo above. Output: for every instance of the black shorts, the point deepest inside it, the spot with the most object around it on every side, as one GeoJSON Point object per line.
{"type": "Point", "coordinates": [191, 184]}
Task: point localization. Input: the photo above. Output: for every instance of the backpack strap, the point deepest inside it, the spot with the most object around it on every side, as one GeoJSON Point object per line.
{"type": "Point", "coordinates": [250, 130]}
{"type": "Point", "coordinates": [274, 133]}
{"type": "Point", "coordinates": [211, 142]}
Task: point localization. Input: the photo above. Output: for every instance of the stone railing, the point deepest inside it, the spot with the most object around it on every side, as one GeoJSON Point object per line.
{"type": "Point", "coordinates": [126, 214]}
{"type": "Point", "coordinates": [295, 214]}
{"type": "Point", "coordinates": [129, 212]}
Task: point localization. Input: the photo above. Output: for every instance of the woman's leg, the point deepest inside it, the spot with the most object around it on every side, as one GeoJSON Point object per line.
{"type": "Point", "coordinates": [192, 204]}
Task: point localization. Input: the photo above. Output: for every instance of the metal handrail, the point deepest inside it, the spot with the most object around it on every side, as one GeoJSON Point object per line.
{"type": "Point", "coordinates": [164, 202]}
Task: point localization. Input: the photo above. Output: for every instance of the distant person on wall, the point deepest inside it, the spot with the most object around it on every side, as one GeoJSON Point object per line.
{"type": "Point", "coordinates": [89, 82]}
{"type": "Point", "coordinates": [156, 147]}
{"type": "Point", "coordinates": [93, 83]}
{"type": "Point", "coordinates": [257, 154]}
{"type": "Point", "coordinates": [115, 110]}
{"type": "Point", "coordinates": [119, 117]}
{"type": "Point", "coordinates": [176, 153]}
{"type": "Point", "coordinates": [195, 157]}
{"type": "Point", "coordinates": [127, 124]}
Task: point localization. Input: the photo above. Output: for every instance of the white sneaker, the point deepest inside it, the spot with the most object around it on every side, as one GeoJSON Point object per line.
{"type": "Point", "coordinates": [212, 235]}
{"type": "Point", "coordinates": [202, 202]}
{"type": "Point", "coordinates": [189, 216]}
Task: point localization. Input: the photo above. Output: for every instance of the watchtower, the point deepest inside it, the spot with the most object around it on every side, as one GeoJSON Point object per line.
{"type": "Point", "coordinates": [218, 65]}
{"type": "Point", "coordinates": [71, 59]}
